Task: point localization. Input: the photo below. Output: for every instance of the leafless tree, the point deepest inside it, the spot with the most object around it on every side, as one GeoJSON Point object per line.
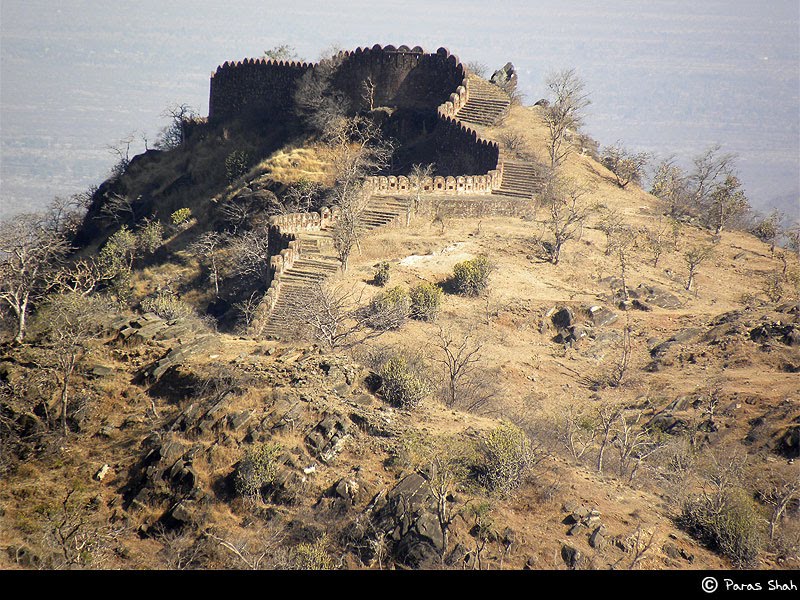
{"type": "Point", "coordinates": [205, 248]}
{"type": "Point", "coordinates": [333, 317]}
{"type": "Point", "coordinates": [611, 223]}
{"type": "Point", "coordinates": [31, 254]}
{"type": "Point", "coordinates": [251, 254]}
{"type": "Point", "coordinates": [566, 214]}
{"type": "Point", "coordinates": [174, 134]}
{"type": "Point", "coordinates": [564, 114]}
{"type": "Point", "coordinates": [694, 257]}
{"type": "Point", "coordinates": [459, 357]}
{"type": "Point", "coordinates": [318, 104]}
{"type": "Point", "coordinates": [368, 92]}
{"type": "Point", "coordinates": [726, 201]}
{"type": "Point", "coordinates": [71, 321]}
{"type": "Point", "coordinates": [607, 416]}
{"type": "Point", "coordinates": [710, 169]}
{"type": "Point", "coordinates": [670, 183]}
{"type": "Point", "coordinates": [634, 444]}
{"type": "Point", "coordinates": [122, 152]}
{"type": "Point", "coordinates": [658, 240]}
{"type": "Point", "coordinates": [778, 488]}
{"type": "Point", "coordinates": [626, 166]}
{"type": "Point", "coordinates": [282, 52]}
{"type": "Point", "coordinates": [119, 208]}
{"type": "Point", "coordinates": [576, 431]}
{"type": "Point", "coordinates": [419, 173]}
{"type": "Point", "coordinates": [768, 229]}
{"type": "Point", "coordinates": [356, 149]}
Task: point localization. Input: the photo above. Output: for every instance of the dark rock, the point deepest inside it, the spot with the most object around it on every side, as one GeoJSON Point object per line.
{"type": "Point", "coordinates": [667, 423]}
{"type": "Point", "coordinates": [563, 318]}
{"type": "Point", "coordinates": [571, 556]}
{"type": "Point", "coordinates": [601, 316]}
{"type": "Point", "coordinates": [505, 78]}
{"type": "Point", "coordinates": [789, 443]}
{"type": "Point", "coordinates": [597, 539]}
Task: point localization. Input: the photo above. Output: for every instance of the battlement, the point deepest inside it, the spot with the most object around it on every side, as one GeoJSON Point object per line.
{"type": "Point", "coordinates": [402, 78]}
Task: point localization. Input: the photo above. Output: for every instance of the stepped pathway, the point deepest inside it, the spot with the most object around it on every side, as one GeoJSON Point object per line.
{"type": "Point", "coordinates": [520, 180]}
{"type": "Point", "coordinates": [317, 262]}
{"type": "Point", "coordinates": [487, 103]}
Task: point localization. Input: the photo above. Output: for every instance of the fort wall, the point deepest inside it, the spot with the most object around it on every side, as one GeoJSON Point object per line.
{"type": "Point", "coordinates": [403, 78]}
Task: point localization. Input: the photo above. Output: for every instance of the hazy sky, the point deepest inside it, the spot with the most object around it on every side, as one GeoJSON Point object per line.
{"type": "Point", "coordinates": [665, 76]}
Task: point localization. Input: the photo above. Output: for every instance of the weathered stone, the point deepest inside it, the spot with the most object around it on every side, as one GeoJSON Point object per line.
{"type": "Point", "coordinates": [505, 78]}
{"type": "Point", "coordinates": [101, 474]}
{"type": "Point", "coordinates": [601, 316]}
{"type": "Point", "coordinates": [563, 318]}
{"type": "Point", "coordinates": [571, 556]}
{"type": "Point", "coordinates": [597, 539]}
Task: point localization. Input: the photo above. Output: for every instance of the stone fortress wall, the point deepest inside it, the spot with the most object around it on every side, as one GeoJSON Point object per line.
{"type": "Point", "coordinates": [403, 78]}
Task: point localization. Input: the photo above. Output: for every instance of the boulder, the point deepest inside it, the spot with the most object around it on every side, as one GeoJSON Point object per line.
{"type": "Point", "coordinates": [505, 78]}
{"type": "Point", "coordinates": [600, 316]}
{"type": "Point", "coordinates": [571, 556]}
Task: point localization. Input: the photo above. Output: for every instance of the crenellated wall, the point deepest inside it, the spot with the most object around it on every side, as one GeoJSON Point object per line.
{"type": "Point", "coordinates": [285, 249]}
{"type": "Point", "coordinates": [253, 85]}
{"type": "Point", "coordinates": [404, 78]}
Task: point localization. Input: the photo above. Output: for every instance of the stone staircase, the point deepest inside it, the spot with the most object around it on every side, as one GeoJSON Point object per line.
{"type": "Point", "coordinates": [487, 103]}
{"type": "Point", "coordinates": [317, 262]}
{"type": "Point", "coordinates": [520, 180]}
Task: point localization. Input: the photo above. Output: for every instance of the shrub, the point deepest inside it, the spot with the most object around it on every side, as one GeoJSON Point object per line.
{"type": "Point", "coordinates": [118, 253]}
{"type": "Point", "coordinates": [236, 165]}
{"type": "Point", "coordinates": [381, 277]}
{"type": "Point", "coordinates": [181, 216]}
{"type": "Point", "coordinates": [257, 470]}
{"type": "Point", "coordinates": [390, 309]}
{"type": "Point", "coordinates": [426, 300]}
{"type": "Point", "coordinates": [401, 386]}
{"type": "Point", "coordinates": [728, 523]}
{"type": "Point", "coordinates": [471, 277]}
{"type": "Point", "coordinates": [314, 557]}
{"type": "Point", "coordinates": [507, 459]}
{"type": "Point", "coordinates": [150, 236]}
{"type": "Point", "coordinates": [167, 305]}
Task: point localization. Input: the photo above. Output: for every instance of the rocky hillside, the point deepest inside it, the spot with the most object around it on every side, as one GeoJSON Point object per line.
{"type": "Point", "coordinates": [603, 400]}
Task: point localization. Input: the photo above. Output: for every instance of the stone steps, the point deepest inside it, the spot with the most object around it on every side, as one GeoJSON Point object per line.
{"type": "Point", "coordinates": [487, 103]}
{"type": "Point", "coordinates": [317, 263]}
{"type": "Point", "coordinates": [520, 180]}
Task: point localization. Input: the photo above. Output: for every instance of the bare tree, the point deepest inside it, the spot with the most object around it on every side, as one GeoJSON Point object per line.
{"type": "Point", "coordinates": [333, 317]}
{"type": "Point", "coordinates": [282, 52]}
{"type": "Point", "coordinates": [778, 488]}
{"type": "Point", "coordinates": [726, 201]}
{"type": "Point", "coordinates": [205, 248]}
{"type": "Point", "coordinates": [710, 169]}
{"type": "Point", "coordinates": [657, 240]}
{"type": "Point", "coordinates": [611, 223]}
{"type": "Point", "coordinates": [173, 135]}
{"type": "Point", "coordinates": [459, 357]}
{"type": "Point", "coordinates": [566, 214]}
{"type": "Point", "coordinates": [694, 257]}
{"type": "Point", "coordinates": [768, 229]}
{"type": "Point", "coordinates": [356, 149]}
{"type": "Point", "coordinates": [31, 254]}
{"type": "Point", "coordinates": [250, 251]}
{"type": "Point", "coordinates": [634, 444]}
{"type": "Point", "coordinates": [565, 113]}
{"type": "Point", "coordinates": [670, 183]}
{"type": "Point", "coordinates": [71, 321]}
{"type": "Point", "coordinates": [318, 104]}
{"type": "Point", "coordinates": [626, 166]}
{"type": "Point", "coordinates": [419, 173]}
{"type": "Point", "coordinates": [607, 416]}
{"type": "Point", "coordinates": [576, 431]}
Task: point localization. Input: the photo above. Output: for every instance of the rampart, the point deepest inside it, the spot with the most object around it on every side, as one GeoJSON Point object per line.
{"type": "Point", "coordinates": [401, 78]}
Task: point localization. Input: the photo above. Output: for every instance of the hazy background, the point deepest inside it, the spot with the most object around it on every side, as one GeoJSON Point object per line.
{"type": "Point", "coordinates": [665, 76]}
